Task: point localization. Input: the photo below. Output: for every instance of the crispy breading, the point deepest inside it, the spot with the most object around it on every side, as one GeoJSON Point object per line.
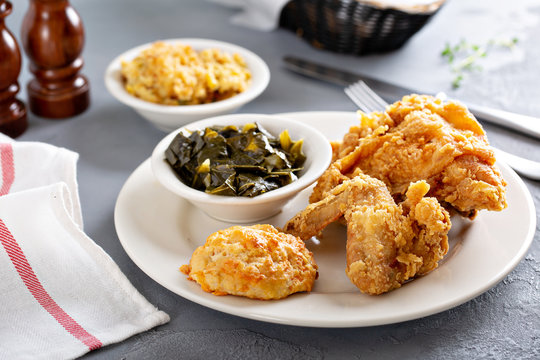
{"type": "Point", "coordinates": [387, 244]}
{"type": "Point", "coordinates": [422, 138]}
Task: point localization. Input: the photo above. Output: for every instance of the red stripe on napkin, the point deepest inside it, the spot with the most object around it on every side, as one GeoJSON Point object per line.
{"type": "Point", "coordinates": [33, 284]}
{"type": "Point", "coordinates": [8, 169]}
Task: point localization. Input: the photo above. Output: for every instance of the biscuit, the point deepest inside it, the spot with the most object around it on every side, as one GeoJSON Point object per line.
{"type": "Point", "coordinates": [257, 262]}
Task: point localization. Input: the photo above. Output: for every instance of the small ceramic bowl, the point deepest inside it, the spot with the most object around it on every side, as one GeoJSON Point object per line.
{"type": "Point", "coordinates": [170, 117]}
{"type": "Point", "coordinates": [241, 209]}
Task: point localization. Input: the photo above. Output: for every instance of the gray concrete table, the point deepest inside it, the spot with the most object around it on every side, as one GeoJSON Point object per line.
{"type": "Point", "coordinates": [113, 140]}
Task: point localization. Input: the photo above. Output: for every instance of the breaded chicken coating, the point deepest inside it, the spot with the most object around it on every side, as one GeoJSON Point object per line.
{"type": "Point", "coordinates": [387, 244]}
{"type": "Point", "coordinates": [421, 138]}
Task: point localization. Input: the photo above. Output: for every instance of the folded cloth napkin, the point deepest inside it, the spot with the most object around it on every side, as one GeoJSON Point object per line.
{"type": "Point", "coordinates": [61, 295]}
{"type": "Point", "coordinates": [256, 14]}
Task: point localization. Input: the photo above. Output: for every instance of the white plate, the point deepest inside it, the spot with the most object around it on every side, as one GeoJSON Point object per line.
{"type": "Point", "coordinates": [160, 231]}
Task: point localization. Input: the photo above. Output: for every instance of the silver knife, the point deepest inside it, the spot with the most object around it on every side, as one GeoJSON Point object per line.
{"type": "Point", "coordinates": [525, 124]}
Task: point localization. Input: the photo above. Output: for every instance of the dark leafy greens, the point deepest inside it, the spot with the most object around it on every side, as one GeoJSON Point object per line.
{"type": "Point", "coordinates": [226, 160]}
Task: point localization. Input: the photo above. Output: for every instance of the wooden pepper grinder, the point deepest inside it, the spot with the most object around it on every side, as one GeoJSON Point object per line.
{"type": "Point", "coordinates": [53, 38]}
{"type": "Point", "coordinates": [12, 111]}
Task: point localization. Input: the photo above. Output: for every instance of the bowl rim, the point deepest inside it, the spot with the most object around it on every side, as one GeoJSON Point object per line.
{"type": "Point", "coordinates": [260, 77]}
{"type": "Point", "coordinates": [319, 163]}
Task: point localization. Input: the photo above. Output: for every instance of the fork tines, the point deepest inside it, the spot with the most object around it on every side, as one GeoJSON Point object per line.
{"type": "Point", "coordinates": [365, 98]}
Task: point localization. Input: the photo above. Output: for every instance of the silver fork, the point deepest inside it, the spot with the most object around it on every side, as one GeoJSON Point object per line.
{"type": "Point", "coordinates": [367, 100]}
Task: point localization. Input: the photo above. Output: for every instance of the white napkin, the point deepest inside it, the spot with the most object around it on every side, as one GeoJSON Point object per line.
{"type": "Point", "coordinates": [61, 295]}
{"type": "Point", "coordinates": [256, 14]}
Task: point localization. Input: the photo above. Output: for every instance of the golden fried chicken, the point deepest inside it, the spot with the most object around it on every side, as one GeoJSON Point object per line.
{"type": "Point", "coordinates": [387, 244]}
{"type": "Point", "coordinates": [421, 138]}
{"type": "Point", "coordinates": [256, 261]}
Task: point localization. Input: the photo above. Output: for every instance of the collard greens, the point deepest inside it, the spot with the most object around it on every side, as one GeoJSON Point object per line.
{"type": "Point", "coordinates": [226, 160]}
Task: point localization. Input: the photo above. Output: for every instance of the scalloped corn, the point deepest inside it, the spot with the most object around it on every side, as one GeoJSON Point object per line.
{"type": "Point", "coordinates": [176, 74]}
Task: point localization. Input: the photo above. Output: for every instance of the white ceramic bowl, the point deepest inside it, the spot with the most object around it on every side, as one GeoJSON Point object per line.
{"type": "Point", "coordinates": [170, 117]}
{"type": "Point", "coordinates": [241, 209]}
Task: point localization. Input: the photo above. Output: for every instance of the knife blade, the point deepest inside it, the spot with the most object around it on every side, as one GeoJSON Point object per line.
{"type": "Point", "coordinates": [527, 125]}
{"type": "Point", "coordinates": [344, 78]}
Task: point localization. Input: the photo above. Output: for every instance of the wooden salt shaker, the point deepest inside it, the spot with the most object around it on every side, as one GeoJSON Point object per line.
{"type": "Point", "coordinates": [12, 111]}
{"type": "Point", "coordinates": [53, 38]}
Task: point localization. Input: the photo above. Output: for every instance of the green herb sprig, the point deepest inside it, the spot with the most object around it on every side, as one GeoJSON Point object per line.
{"type": "Point", "coordinates": [463, 57]}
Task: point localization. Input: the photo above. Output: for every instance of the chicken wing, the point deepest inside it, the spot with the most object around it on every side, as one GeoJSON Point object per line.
{"type": "Point", "coordinates": [387, 244]}
{"type": "Point", "coordinates": [421, 138]}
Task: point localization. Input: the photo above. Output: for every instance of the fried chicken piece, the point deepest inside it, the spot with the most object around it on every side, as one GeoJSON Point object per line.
{"type": "Point", "coordinates": [387, 244]}
{"type": "Point", "coordinates": [257, 261]}
{"type": "Point", "coordinates": [421, 138]}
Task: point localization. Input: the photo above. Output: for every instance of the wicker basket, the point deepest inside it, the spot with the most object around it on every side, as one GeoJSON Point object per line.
{"type": "Point", "coordinates": [353, 26]}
